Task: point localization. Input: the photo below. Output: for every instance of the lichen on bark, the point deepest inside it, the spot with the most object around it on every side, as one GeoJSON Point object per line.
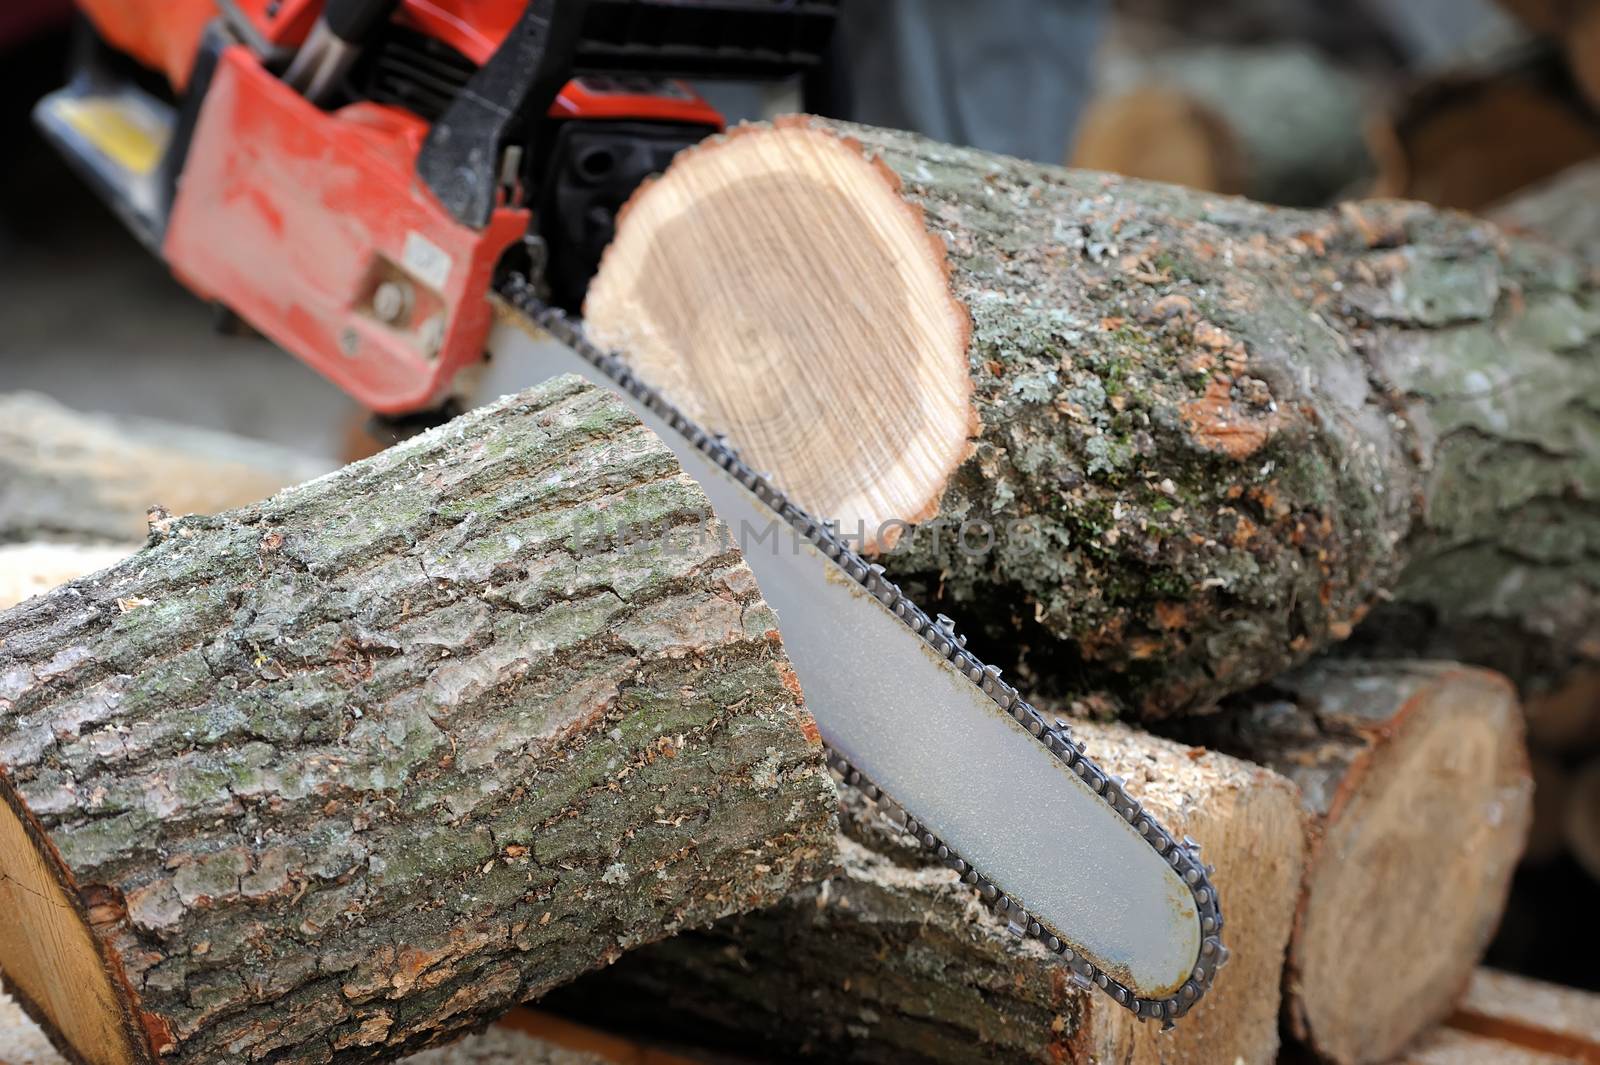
{"type": "Point", "coordinates": [1215, 435]}
{"type": "Point", "coordinates": [362, 765]}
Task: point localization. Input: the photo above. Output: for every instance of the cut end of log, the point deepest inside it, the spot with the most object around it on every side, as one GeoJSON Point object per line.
{"type": "Point", "coordinates": [1420, 834]}
{"type": "Point", "coordinates": [1161, 134]}
{"type": "Point", "coordinates": [817, 271]}
{"type": "Point", "coordinates": [51, 960]}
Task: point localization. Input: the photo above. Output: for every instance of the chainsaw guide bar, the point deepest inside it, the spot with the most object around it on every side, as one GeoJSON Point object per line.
{"type": "Point", "coordinates": [1164, 919]}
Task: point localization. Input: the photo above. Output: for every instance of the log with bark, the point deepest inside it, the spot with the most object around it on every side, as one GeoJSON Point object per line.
{"type": "Point", "coordinates": [1415, 776]}
{"type": "Point", "coordinates": [337, 775]}
{"type": "Point", "coordinates": [1575, 25]}
{"type": "Point", "coordinates": [1282, 124]}
{"type": "Point", "coordinates": [1452, 1046]}
{"type": "Point", "coordinates": [69, 475]}
{"type": "Point", "coordinates": [1173, 443]}
{"type": "Point", "coordinates": [895, 960]}
{"type": "Point", "coordinates": [1478, 133]}
{"type": "Point", "coordinates": [1160, 133]}
{"type": "Point", "coordinates": [516, 1039]}
{"type": "Point", "coordinates": [1528, 1016]}
{"type": "Point", "coordinates": [1565, 210]}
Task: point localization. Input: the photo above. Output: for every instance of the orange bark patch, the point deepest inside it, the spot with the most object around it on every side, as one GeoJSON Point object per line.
{"type": "Point", "coordinates": [1171, 614]}
{"type": "Point", "coordinates": [158, 1032]}
{"type": "Point", "coordinates": [1219, 424]}
{"type": "Point", "coordinates": [786, 674]}
{"type": "Point", "coordinates": [1171, 306]}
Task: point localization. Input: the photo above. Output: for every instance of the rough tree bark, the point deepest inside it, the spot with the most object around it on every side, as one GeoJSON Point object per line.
{"type": "Point", "coordinates": [339, 774]}
{"type": "Point", "coordinates": [506, 1043]}
{"type": "Point", "coordinates": [1564, 211]}
{"type": "Point", "coordinates": [894, 960]}
{"type": "Point", "coordinates": [1213, 435]}
{"type": "Point", "coordinates": [77, 476]}
{"type": "Point", "coordinates": [1415, 776]}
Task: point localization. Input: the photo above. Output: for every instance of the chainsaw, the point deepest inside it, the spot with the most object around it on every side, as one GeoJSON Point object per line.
{"type": "Point", "coordinates": [394, 190]}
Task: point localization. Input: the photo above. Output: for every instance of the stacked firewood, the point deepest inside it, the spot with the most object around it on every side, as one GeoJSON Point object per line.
{"type": "Point", "coordinates": [1292, 510]}
{"type": "Point", "coordinates": [1458, 104]}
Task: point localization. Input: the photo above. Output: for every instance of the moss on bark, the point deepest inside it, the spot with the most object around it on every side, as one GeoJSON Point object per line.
{"type": "Point", "coordinates": [1215, 435]}
{"type": "Point", "coordinates": [347, 771]}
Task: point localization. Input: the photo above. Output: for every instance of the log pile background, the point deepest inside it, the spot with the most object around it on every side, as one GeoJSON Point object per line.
{"type": "Point", "coordinates": [1318, 578]}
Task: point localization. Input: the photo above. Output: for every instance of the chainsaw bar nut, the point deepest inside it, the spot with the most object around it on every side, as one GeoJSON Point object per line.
{"type": "Point", "coordinates": [391, 302]}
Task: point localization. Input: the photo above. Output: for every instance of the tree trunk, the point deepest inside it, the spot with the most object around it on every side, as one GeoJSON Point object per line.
{"type": "Point", "coordinates": [1278, 123]}
{"type": "Point", "coordinates": [337, 775]}
{"type": "Point", "coordinates": [90, 477]}
{"type": "Point", "coordinates": [894, 960]}
{"type": "Point", "coordinates": [508, 1042]}
{"type": "Point", "coordinates": [1564, 211]}
{"type": "Point", "coordinates": [1161, 133]}
{"type": "Point", "coordinates": [1575, 25]}
{"type": "Point", "coordinates": [1416, 778]}
{"type": "Point", "coordinates": [1451, 1046]}
{"type": "Point", "coordinates": [1205, 436]}
{"type": "Point", "coordinates": [1562, 1022]}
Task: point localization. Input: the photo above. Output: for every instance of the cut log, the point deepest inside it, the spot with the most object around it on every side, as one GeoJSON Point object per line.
{"type": "Point", "coordinates": [1583, 818]}
{"type": "Point", "coordinates": [1540, 1017]}
{"type": "Point", "coordinates": [1582, 46]}
{"type": "Point", "coordinates": [1566, 719]}
{"type": "Point", "coordinates": [1564, 210]}
{"type": "Point", "coordinates": [1161, 134]}
{"type": "Point", "coordinates": [337, 775]}
{"type": "Point", "coordinates": [894, 959]}
{"type": "Point", "coordinates": [1282, 124]}
{"type": "Point", "coordinates": [507, 1046]}
{"type": "Point", "coordinates": [1194, 438]}
{"type": "Point", "coordinates": [1416, 778]}
{"type": "Point", "coordinates": [522, 1037]}
{"type": "Point", "coordinates": [29, 569]}
{"type": "Point", "coordinates": [1472, 138]}
{"type": "Point", "coordinates": [1451, 1046]}
{"type": "Point", "coordinates": [1576, 25]}
{"type": "Point", "coordinates": [547, 1029]}
{"type": "Point", "coordinates": [88, 477]}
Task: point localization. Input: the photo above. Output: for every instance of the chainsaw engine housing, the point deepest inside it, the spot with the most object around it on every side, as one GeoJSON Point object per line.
{"type": "Point", "coordinates": [356, 215]}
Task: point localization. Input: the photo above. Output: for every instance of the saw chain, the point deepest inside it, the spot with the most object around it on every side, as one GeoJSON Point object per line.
{"type": "Point", "coordinates": [940, 635]}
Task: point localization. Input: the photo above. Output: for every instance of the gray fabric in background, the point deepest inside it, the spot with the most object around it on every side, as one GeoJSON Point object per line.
{"type": "Point", "coordinates": [1008, 76]}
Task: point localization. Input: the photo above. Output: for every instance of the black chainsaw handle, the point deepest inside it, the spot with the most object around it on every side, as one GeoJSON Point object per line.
{"type": "Point", "coordinates": [352, 20]}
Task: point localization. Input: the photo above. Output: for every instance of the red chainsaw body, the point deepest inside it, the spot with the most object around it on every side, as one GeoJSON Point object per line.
{"type": "Point", "coordinates": [293, 217]}
{"type": "Point", "coordinates": [164, 33]}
